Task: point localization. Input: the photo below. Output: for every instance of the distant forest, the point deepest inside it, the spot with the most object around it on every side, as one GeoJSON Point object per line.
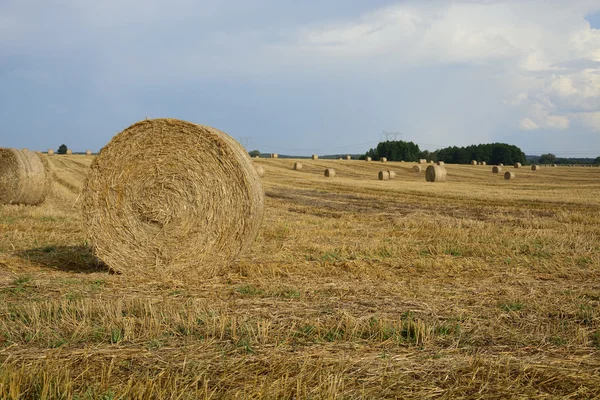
{"type": "Point", "coordinates": [494, 153]}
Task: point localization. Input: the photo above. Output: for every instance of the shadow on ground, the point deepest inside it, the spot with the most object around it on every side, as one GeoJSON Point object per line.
{"type": "Point", "coordinates": [66, 258]}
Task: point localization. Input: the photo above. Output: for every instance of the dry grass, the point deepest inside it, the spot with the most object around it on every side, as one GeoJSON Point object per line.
{"type": "Point", "coordinates": [353, 290]}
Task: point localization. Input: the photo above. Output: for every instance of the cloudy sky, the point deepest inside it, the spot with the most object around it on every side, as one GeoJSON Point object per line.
{"type": "Point", "coordinates": [303, 77]}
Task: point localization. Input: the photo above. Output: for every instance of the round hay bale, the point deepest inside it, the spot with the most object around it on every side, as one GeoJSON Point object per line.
{"type": "Point", "coordinates": [509, 175]}
{"type": "Point", "coordinates": [368, 159]}
{"type": "Point", "coordinates": [154, 207]}
{"type": "Point", "coordinates": [88, 152]}
{"type": "Point", "coordinates": [501, 165]}
{"type": "Point", "coordinates": [256, 156]}
{"type": "Point", "coordinates": [50, 152]}
{"type": "Point", "coordinates": [496, 169]}
{"type": "Point", "coordinates": [431, 162]}
{"type": "Point", "coordinates": [474, 162]}
{"type": "Point", "coordinates": [259, 170]}
{"type": "Point", "coordinates": [483, 163]}
{"type": "Point", "coordinates": [535, 167]}
{"type": "Point", "coordinates": [23, 177]}
{"type": "Point", "coordinates": [435, 173]}
{"type": "Point", "coordinates": [416, 168]}
{"type": "Point", "coordinates": [297, 166]}
{"type": "Point", "coordinates": [440, 163]}
{"type": "Point", "coordinates": [274, 155]}
{"type": "Point", "coordinates": [383, 159]}
{"type": "Point", "coordinates": [554, 165]}
{"type": "Point", "coordinates": [329, 173]}
{"type": "Point", "coordinates": [517, 165]}
{"type": "Point", "coordinates": [339, 158]}
{"type": "Point", "coordinates": [315, 157]}
{"type": "Point", "coordinates": [69, 152]}
{"type": "Point", "coordinates": [383, 176]}
{"type": "Point", "coordinates": [392, 174]}
{"type": "Point", "coordinates": [348, 158]}
{"type": "Point", "coordinates": [422, 161]}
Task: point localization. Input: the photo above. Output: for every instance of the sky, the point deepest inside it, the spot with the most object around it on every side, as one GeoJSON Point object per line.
{"type": "Point", "coordinates": [303, 77]}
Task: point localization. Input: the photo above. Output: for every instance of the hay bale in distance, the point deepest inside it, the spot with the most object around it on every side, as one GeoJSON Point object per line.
{"type": "Point", "coordinates": [315, 157]}
{"type": "Point", "coordinates": [329, 173]}
{"type": "Point", "coordinates": [554, 165]}
{"type": "Point", "coordinates": [416, 168]}
{"type": "Point", "coordinates": [501, 165]}
{"type": "Point", "coordinates": [383, 176]}
{"type": "Point", "coordinates": [50, 152]}
{"type": "Point", "coordinates": [535, 167]}
{"type": "Point", "coordinates": [435, 173]}
{"type": "Point", "coordinates": [69, 152]}
{"type": "Point", "coordinates": [392, 174]}
{"type": "Point", "coordinates": [496, 169]}
{"type": "Point", "coordinates": [348, 158]}
{"type": "Point", "coordinates": [517, 165]}
{"type": "Point", "coordinates": [176, 213]}
{"type": "Point", "coordinates": [509, 175]}
{"type": "Point", "coordinates": [474, 162]}
{"type": "Point", "coordinates": [274, 155]}
{"type": "Point", "coordinates": [422, 161]}
{"type": "Point", "coordinates": [23, 177]}
{"type": "Point", "coordinates": [297, 166]}
{"type": "Point", "coordinates": [383, 159]}
{"type": "Point", "coordinates": [440, 163]}
{"type": "Point", "coordinates": [88, 152]}
{"type": "Point", "coordinates": [259, 170]}
{"type": "Point", "coordinates": [483, 163]}
{"type": "Point", "coordinates": [368, 159]}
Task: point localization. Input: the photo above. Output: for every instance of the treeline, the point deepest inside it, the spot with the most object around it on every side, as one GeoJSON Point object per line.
{"type": "Point", "coordinates": [493, 153]}
{"type": "Point", "coordinates": [550, 158]}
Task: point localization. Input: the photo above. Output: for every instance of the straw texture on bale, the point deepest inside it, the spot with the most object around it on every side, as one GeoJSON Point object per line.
{"type": "Point", "coordinates": [297, 166]}
{"type": "Point", "coordinates": [69, 152]}
{"type": "Point", "coordinates": [535, 167]}
{"type": "Point", "coordinates": [259, 170]}
{"type": "Point", "coordinates": [474, 162]}
{"type": "Point", "coordinates": [440, 163]}
{"type": "Point", "coordinates": [509, 175]}
{"type": "Point", "coordinates": [383, 176]}
{"type": "Point", "coordinates": [496, 169]}
{"type": "Point", "coordinates": [348, 158]}
{"type": "Point", "coordinates": [368, 159]}
{"type": "Point", "coordinates": [88, 152]}
{"type": "Point", "coordinates": [329, 173]}
{"type": "Point", "coordinates": [416, 168]}
{"type": "Point", "coordinates": [173, 199]}
{"type": "Point", "coordinates": [23, 177]}
{"type": "Point", "coordinates": [315, 157]}
{"type": "Point", "coordinates": [435, 173]}
{"type": "Point", "coordinates": [50, 152]}
{"type": "Point", "coordinates": [392, 174]}
{"type": "Point", "coordinates": [517, 165]}
{"type": "Point", "coordinates": [383, 159]}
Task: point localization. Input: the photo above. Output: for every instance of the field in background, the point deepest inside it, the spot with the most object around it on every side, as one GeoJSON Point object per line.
{"type": "Point", "coordinates": [355, 288]}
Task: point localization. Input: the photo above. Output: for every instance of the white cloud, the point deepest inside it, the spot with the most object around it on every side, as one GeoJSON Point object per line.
{"type": "Point", "coordinates": [527, 125]}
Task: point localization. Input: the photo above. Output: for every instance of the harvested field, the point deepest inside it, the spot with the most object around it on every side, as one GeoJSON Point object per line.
{"type": "Point", "coordinates": [478, 287]}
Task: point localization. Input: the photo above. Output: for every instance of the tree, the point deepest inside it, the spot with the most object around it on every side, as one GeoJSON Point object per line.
{"type": "Point", "coordinates": [597, 160]}
{"type": "Point", "coordinates": [547, 159]}
{"type": "Point", "coordinates": [62, 149]}
{"type": "Point", "coordinates": [254, 153]}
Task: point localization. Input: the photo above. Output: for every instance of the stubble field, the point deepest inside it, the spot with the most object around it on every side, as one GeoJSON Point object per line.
{"type": "Point", "coordinates": [355, 288]}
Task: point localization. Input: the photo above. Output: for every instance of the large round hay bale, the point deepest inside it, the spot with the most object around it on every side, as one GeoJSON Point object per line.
{"type": "Point", "coordinates": [440, 163]}
{"type": "Point", "coordinates": [315, 157]}
{"type": "Point", "coordinates": [535, 167]}
{"type": "Point", "coordinates": [383, 159]}
{"type": "Point", "coordinates": [88, 152]}
{"type": "Point", "coordinates": [474, 162]}
{"type": "Point", "coordinates": [297, 166]}
{"type": "Point", "coordinates": [392, 174]}
{"type": "Point", "coordinates": [348, 158]}
{"type": "Point", "coordinates": [509, 175]}
{"type": "Point", "coordinates": [496, 169]}
{"type": "Point", "coordinates": [329, 173]}
{"type": "Point", "coordinates": [260, 170]}
{"type": "Point", "coordinates": [69, 152]}
{"type": "Point", "coordinates": [169, 198]}
{"type": "Point", "coordinates": [368, 159]}
{"type": "Point", "coordinates": [383, 176]}
{"type": "Point", "coordinates": [23, 177]}
{"type": "Point", "coordinates": [416, 168]}
{"type": "Point", "coordinates": [435, 173]}
{"type": "Point", "coordinates": [517, 165]}
{"type": "Point", "coordinates": [50, 152]}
